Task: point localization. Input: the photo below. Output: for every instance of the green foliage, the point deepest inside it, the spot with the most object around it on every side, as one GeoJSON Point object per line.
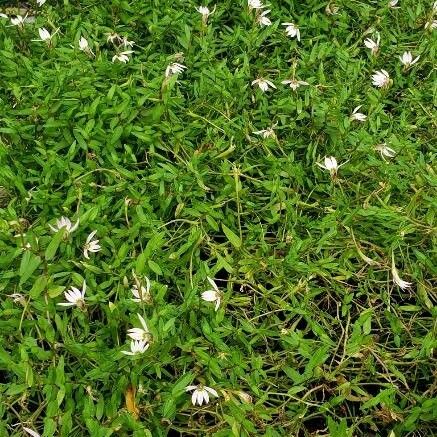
{"type": "Point", "coordinates": [312, 336]}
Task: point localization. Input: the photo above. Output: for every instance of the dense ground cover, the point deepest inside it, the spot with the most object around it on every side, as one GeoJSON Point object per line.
{"type": "Point", "coordinates": [158, 139]}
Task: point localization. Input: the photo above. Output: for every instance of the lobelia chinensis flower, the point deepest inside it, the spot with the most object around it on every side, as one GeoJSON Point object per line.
{"type": "Point", "coordinates": [64, 223]}
{"type": "Point", "coordinates": [212, 295]}
{"type": "Point", "coordinates": [330, 164]}
{"type": "Point", "coordinates": [205, 13]}
{"type": "Point", "coordinates": [174, 68]}
{"type": "Point", "coordinates": [372, 44]}
{"type": "Point", "coordinates": [245, 397]}
{"type": "Point", "coordinates": [137, 347]}
{"type": "Point", "coordinates": [126, 43]}
{"type": "Point", "coordinates": [431, 24]}
{"type": "Point", "coordinates": [381, 79]}
{"type": "Point", "coordinates": [358, 116]}
{"type": "Point", "coordinates": [44, 34]}
{"type": "Point", "coordinates": [407, 59]}
{"type": "Point", "coordinates": [18, 20]}
{"type": "Point", "coordinates": [201, 394]}
{"type": "Point", "coordinates": [91, 245]}
{"type": "Point", "coordinates": [263, 84]}
{"type": "Point", "coordinates": [122, 56]}
{"type": "Point", "coordinates": [113, 37]}
{"type": "Point", "coordinates": [385, 151]}
{"type": "Point", "coordinates": [294, 84]}
{"type": "Point", "coordinates": [332, 9]}
{"type": "Point", "coordinates": [396, 278]}
{"type": "Point", "coordinates": [141, 293]}
{"type": "Point", "coordinates": [263, 19]}
{"type": "Point", "coordinates": [40, 2]}
{"type": "Point", "coordinates": [266, 133]}
{"type": "Point", "coordinates": [84, 46]}
{"type": "Point", "coordinates": [18, 298]}
{"type": "Point", "coordinates": [393, 4]}
{"type": "Point", "coordinates": [255, 4]}
{"type": "Point", "coordinates": [140, 334]}
{"type": "Point", "coordinates": [292, 30]}
{"type": "Point", "coordinates": [75, 297]}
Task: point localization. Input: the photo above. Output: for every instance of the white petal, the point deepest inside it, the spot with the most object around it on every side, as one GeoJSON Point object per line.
{"type": "Point", "coordinates": [194, 397]}
{"type": "Point", "coordinates": [31, 432]}
{"type": "Point", "coordinates": [209, 295]}
{"type": "Point", "coordinates": [212, 391]}
{"type": "Point", "coordinates": [205, 396]}
{"type": "Point", "coordinates": [190, 387]}
{"type": "Point", "coordinates": [143, 323]}
{"type": "Point", "coordinates": [213, 284]}
{"type": "Point", "coordinates": [91, 236]}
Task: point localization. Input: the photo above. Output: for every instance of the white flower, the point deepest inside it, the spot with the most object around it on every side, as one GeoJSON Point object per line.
{"type": "Point", "coordinates": [137, 347]}
{"type": "Point", "coordinates": [213, 295]}
{"type": "Point", "coordinates": [263, 20]}
{"type": "Point", "coordinates": [91, 245]}
{"type": "Point", "coordinates": [122, 57]}
{"type": "Point", "coordinates": [330, 164]}
{"type": "Point", "coordinates": [113, 37]}
{"type": "Point", "coordinates": [396, 278]}
{"type": "Point", "coordinates": [332, 9]}
{"type": "Point", "coordinates": [245, 397]}
{"type": "Point", "coordinates": [44, 34]}
{"type": "Point", "coordinates": [201, 394]}
{"type": "Point", "coordinates": [127, 43]}
{"type": "Point", "coordinates": [263, 84]}
{"type": "Point", "coordinates": [174, 68]}
{"type": "Point", "coordinates": [292, 30]}
{"type": "Point", "coordinates": [29, 431]}
{"type": "Point", "coordinates": [407, 59]}
{"type": "Point", "coordinates": [205, 12]}
{"type": "Point", "coordinates": [384, 150]}
{"type": "Point", "coordinates": [75, 297]}
{"type": "Point", "coordinates": [64, 223]}
{"type": "Point", "coordinates": [40, 2]}
{"type": "Point", "coordinates": [3, 15]}
{"type": "Point", "coordinates": [266, 133]}
{"type": "Point", "coordinates": [358, 116]}
{"type": "Point", "coordinates": [255, 4]}
{"type": "Point", "coordinates": [393, 4]}
{"type": "Point", "coordinates": [372, 45]}
{"type": "Point", "coordinates": [18, 20]}
{"type": "Point", "coordinates": [140, 334]}
{"type": "Point", "coordinates": [18, 298]}
{"type": "Point", "coordinates": [141, 293]}
{"type": "Point", "coordinates": [294, 84]}
{"type": "Point", "coordinates": [381, 79]}
{"type": "Point", "coordinates": [83, 44]}
{"type": "Point", "coordinates": [431, 25]}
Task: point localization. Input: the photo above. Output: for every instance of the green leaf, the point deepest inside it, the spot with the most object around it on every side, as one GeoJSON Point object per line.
{"type": "Point", "coordinates": [53, 245]}
{"type": "Point", "coordinates": [232, 237]}
{"type": "Point", "coordinates": [169, 408]}
{"type": "Point", "coordinates": [38, 287]}
{"type": "Point", "coordinates": [181, 383]}
{"type": "Point", "coordinates": [154, 267]}
{"type": "Point", "coordinates": [29, 263]}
